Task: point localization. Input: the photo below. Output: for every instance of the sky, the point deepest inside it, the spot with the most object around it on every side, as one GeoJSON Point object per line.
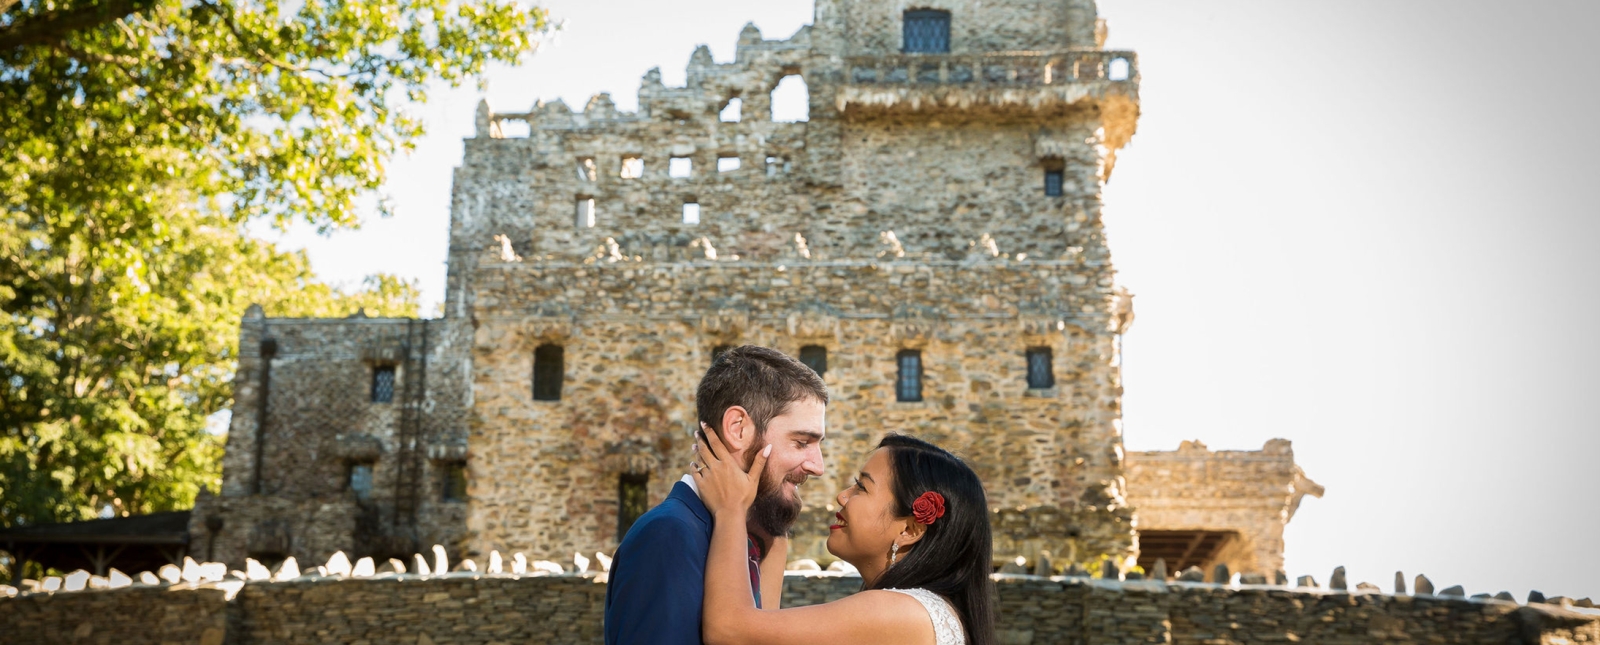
{"type": "Point", "coordinates": [1363, 226]}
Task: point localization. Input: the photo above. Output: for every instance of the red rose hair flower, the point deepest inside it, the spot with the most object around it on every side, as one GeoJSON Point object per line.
{"type": "Point", "coordinates": [928, 508]}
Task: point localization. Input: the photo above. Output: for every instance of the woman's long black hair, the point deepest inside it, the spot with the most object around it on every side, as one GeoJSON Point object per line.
{"type": "Point", "coordinates": [953, 557]}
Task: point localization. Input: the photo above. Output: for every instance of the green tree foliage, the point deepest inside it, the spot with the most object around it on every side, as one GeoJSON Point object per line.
{"type": "Point", "coordinates": [139, 140]}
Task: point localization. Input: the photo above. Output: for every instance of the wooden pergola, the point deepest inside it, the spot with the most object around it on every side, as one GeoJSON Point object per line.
{"type": "Point", "coordinates": [131, 544]}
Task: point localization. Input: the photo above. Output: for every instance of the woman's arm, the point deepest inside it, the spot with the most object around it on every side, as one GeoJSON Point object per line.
{"type": "Point", "coordinates": [729, 614]}
{"type": "Point", "coordinates": [772, 573]}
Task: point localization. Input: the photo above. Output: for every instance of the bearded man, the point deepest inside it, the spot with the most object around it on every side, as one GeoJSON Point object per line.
{"type": "Point", "coordinates": [751, 397]}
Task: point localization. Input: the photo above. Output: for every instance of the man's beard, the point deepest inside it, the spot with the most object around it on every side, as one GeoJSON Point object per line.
{"type": "Point", "coordinates": [772, 512]}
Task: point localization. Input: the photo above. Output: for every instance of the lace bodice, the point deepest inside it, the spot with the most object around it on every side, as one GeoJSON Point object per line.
{"type": "Point", "coordinates": [946, 624]}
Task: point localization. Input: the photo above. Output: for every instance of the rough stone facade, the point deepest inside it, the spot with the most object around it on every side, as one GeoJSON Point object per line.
{"type": "Point", "coordinates": [1246, 496]}
{"type": "Point", "coordinates": [943, 203]}
{"type": "Point", "coordinates": [473, 608]}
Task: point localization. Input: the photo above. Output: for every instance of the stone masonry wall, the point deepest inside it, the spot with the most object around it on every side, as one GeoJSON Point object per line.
{"type": "Point", "coordinates": [1252, 492]}
{"type": "Point", "coordinates": [320, 420]}
{"type": "Point", "coordinates": [472, 608]}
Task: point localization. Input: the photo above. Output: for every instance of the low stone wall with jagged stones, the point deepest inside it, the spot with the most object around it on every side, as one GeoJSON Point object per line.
{"type": "Point", "coordinates": [505, 608]}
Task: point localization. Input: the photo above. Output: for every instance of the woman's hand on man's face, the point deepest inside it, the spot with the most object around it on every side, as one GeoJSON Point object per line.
{"type": "Point", "coordinates": [724, 485]}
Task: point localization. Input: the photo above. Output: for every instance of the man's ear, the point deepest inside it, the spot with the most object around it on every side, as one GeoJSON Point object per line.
{"type": "Point", "coordinates": [737, 428]}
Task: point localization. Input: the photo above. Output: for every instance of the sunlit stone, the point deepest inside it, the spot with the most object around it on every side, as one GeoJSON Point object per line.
{"type": "Point", "coordinates": [441, 564]}
{"type": "Point", "coordinates": [580, 562]}
{"type": "Point", "coordinates": [147, 578]}
{"type": "Point", "coordinates": [254, 570]}
{"type": "Point", "coordinates": [364, 568]}
{"type": "Point", "coordinates": [519, 563]}
{"type": "Point", "coordinates": [495, 565]}
{"type": "Point", "coordinates": [605, 561]}
{"type": "Point", "coordinates": [76, 581]}
{"type": "Point", "coordinates": [170, 573]}
{"type": "Point", "coordinates": [422, 565]}
{"type": "Point", "coordinates": [118, 580]}
{"type": "Point", "coordinates": [289, 570]}
{"type": "Point", "coordinates": [338, 565]}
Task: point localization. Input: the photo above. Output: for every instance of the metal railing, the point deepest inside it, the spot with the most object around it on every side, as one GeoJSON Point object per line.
{"type": "Point", "coordinates": [1006, 69]}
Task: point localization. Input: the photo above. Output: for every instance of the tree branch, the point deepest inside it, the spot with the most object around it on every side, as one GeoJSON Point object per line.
{"type": "Point", "coordinates": [54, 26]}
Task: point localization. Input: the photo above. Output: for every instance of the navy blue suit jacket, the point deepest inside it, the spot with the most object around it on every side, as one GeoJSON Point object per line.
{"type": "Point", "coordinates": [657, 580]}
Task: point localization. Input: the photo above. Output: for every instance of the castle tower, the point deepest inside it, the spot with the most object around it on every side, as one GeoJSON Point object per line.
{"type": "Point", "coordinates": [929, 238]}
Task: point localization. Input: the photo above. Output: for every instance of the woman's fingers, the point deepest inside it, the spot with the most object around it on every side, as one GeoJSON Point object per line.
{"type": "Point", "coordinates": [759, 465]}
{"type": "Point", "coordinates": [702, 446]}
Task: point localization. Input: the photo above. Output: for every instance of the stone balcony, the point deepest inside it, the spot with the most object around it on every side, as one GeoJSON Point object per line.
{"type": "Point", "coordinates": [1017, 82]}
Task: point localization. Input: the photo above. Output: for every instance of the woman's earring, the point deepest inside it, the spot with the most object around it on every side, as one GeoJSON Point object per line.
{"type": "Point", "coordinates": [894, 550]}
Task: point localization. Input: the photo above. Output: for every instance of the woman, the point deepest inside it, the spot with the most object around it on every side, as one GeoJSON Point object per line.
{"type": "Point", "coordinates": [915, 523]}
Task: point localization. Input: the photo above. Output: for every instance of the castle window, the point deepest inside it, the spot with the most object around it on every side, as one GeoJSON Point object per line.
{"type": "Point", "coordinates": [691, 213]}
{"type": "Point", "coordinates": [1118, 69]}
{"type": "Point", "coordinates": [1052, 183]}
{"type": "Point", "coordinates": [718, 351]}
{"type": "Point", "coordinates": [815, 357]}
{"type": "Point", "coordinates": [586, 169]}
{"type": "Point", "coordinates": [547, 372]}
{"type": "Point", "coordinates": [727, 164]}
{"type": "Point", "coordinates": [1041, 375]}
{"type": "Point", "coordinates": [454, 481]}
{"type": "Point", "coordinates": [633, 499]}
{"type": "Point", "coordinates": [679, 167]}
{"type": "Point", "coordinates": [908, 384]}
{"type": "Point", "coordinates": [926, 31]}
{"type": "Point", "coordinates": [632, 167]}
{"type": "Point", "coordinates": [731, 113]}
{"type": "Point", "coordinates": [383, 384]}
{"type": "Point", "coordinates": [584, 212]}
{"type": "Point", "coordinates": [791, 100]}
{"type": "Point", "coordinates": [776, 166]}
{"type": "Point", "coordinates": [360, 479]}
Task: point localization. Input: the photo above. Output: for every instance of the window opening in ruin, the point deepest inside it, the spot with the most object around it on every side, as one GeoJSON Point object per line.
{"type": "Point", "coordinates": [361, 479]}
{"type": "Point", "coordinates": [1052, 183]}
{"type": "Point", "coordinates": [908, 383]}
{"type": "Point", "coordinates": [718, 351]}
{"type": "Point", "coordinates": [727, 164]}
{"type": "Point", "coordinates": [1117, 69]}
{"type": "Point", "coordinates": [815, 357]}
{"type": "Point", "coordinates": [791, 100]}
{"type": "Point", "coordinates": [691, 213]}
{"type": "Point", "coordinates": [679, 167]}
{"type": "Point", "coordinates": [633, 499]}
{"type": "Point", "coordinates": [586, 169]}
{"type": "Point", "coordinates": [584, 212]}
{"type": "Point", "coordinates": [548, 372]}
{"type": "Point", "coordinates": [926, 31]}
{"type": "Point", "coordinates": [1041, 374]}
{"type": "Point", "coordinates": [454, 484]}
{"type": "Point", "coordinates": [776, 166]}
{"type": "Point", "coordinates": [383, 384]}
{"type": "Point", "coordinates": [732, 113]}
{"type": "Point", "coordinates": [632, 167]}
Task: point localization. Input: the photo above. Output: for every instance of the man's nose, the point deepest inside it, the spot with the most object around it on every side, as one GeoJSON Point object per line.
{"type": "Point", "coordinates": [813, 464]}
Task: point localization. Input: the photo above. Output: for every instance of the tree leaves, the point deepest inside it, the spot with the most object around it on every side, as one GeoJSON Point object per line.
{"type": "Point", "coordinates": [138, 140]}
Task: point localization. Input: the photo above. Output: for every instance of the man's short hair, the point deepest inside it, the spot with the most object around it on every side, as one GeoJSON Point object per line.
{"type": "Point", "coordinates": [763, 380]}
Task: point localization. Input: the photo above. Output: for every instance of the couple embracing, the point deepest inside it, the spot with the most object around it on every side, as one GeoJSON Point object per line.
{"type": "Point", "coordinates": [706, 565]}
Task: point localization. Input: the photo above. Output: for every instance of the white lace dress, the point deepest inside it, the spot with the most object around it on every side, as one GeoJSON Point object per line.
{"type": "Point", "coordinates": [946, 624]}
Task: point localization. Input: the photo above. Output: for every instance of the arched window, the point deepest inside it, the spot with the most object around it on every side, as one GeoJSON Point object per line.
{"type": "Point", "coordinates": [926, 31]}
{"type": "Point", "coordinates": [908, 384]}
{"type": "Point", "coordinates": [547, 373]}
{"type": "Point", "coordinates": [791, 100]}
{"type": "Point", "coordinates": [815, 357]}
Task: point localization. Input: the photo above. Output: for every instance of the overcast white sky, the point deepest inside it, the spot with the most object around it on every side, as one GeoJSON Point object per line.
{"type": "Point", "coordinates": [1365, 226]}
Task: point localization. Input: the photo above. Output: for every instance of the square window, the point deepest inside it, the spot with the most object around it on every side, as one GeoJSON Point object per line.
{"type": "Point", "coordinates": [679, 167]}
{"type": "Point", "coordinates": [585, 212]}
{"type": "Point", "coordinates": [632, 167]}
{"type": "Point", "coordinates": [1052, 183]}
{"type": "Point", "coordinates": [586, 169]}
{"type": "Point", "coordinates": [454, 475]}
{"type": "Point", "coordinates": [926, 31]}
{"type": "Point", "coordinates": [361, 480]}
{"type": "Point", "coordinates": [908, 382]}
{"type": "Point", "coordinates": [383, 384]}
{"type": "Point", "coordinates": [815, 357]}
{"type": "Point", "coordinates": [727, 164]}
{"type": "Point", "coordinates": [691, 213]}
{"type": "Point", "coordinates": [1041, 375]}
{"type": "Point", "coordinates": [549, 370]}
{"type": "Point", "coordinates": [731, 113]}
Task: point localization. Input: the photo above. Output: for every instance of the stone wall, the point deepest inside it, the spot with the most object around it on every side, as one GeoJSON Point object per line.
{"type": "Point", "coordinates": [473, 608]}
{"type": "Point", "coordinates": [320, 420]}
{"type": "Point", "coordinates": [1253, 493]}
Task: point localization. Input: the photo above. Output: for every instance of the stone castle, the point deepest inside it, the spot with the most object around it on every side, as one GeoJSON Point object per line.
{"type": "Point", "coordinates": [928, 238]}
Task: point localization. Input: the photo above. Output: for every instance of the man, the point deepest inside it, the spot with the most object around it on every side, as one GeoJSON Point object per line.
{"type": "Point", "coordinates": [751, 397]}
